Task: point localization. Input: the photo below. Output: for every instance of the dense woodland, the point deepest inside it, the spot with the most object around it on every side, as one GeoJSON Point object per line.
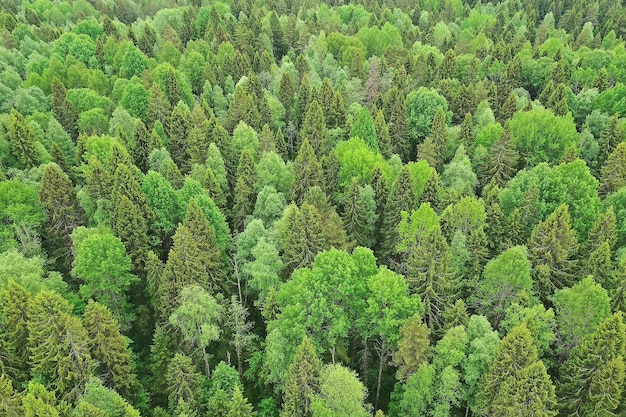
{"type": "Point", "coordinates": [299, 208]}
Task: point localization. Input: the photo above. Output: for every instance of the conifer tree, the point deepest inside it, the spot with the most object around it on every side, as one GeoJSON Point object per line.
{"type": "Point", "coordinates": [378, 183]}
{"type": "Point", "coordinates": [308, 171]}
{"type": "Point", "coordinates": [502, 160]}
{"type": "Point", "coordinates": [9, 401]}
{"type": "Point", "coordinates": [174, 176]}
{"type": "Point", "coordinates": [242, 108]}
{"type": "Point", "coordinates": [110, 349]}
{"type": "Point", "coordinates": [314, 129]}
{"type": "Point", "coordinates": [244, 189]}
{"type": "Point", "coordinates": [197, 146]}
{"type": "Point", "coordinates": [183, 381]}
{"type": "Point", "coordinates": [22, 140]}
{"type": "Point", "coordinates": [508, 109]}
{"type": "Point", "coordinates": [63, 109]}
{"type": "Point", "coordinates": [494, 223]}
{"type": "Point", "coordinates": [159, 108]}
{"type": "Point", "coordinates": [239, 406]}
{"type": "Point", "coordinates": [15, 300]}
{"type": "Point", "coordinates": [413, 347]}
{"type": "Point", "coordinates": [395, 114]}
{"type": "Point", "coordinates": [38, 401]}
{"type": "Point", "coordinates": [58, 198]}
{"type": "Point", "coordinates": [286, 92]}
{"type": "Point", "coordinates": [610, 137]}
{"type": "Point", "coordinates": [359, 216]}
{"type": "Point", "coordinates": [613, 173]}
{"type": "Point", "coordinates": [266, 140]}
{"type": "Point", "coordinates": [603, 230]}
{"type": "Point", "coordinates": [180, 129]}
{"type": "Point", "coordinates": [551, 250]}
{"type": "Point", "coordinates": [144, 145]}
{"type": "Point", "coordinates": [430, 276]}
{"type": "Point", "coordinates": [592, 379]}
{"type": "Point", "coordinates": [382, 133]}
{"type": "Point", "coordinates": [337, 113]}
{"type": "Point", "coordinates": [438, 136]}
{"type": "Point", "coordinates": [363, 127]}
{"type": "Point", "coordinates": [304, 237]}
{"type": "Point", "coordinates": [303, 380]}
{"type": "Point", "coordinates": [401, 198]}
{"type": "Point", "coordinates": [467, 131]}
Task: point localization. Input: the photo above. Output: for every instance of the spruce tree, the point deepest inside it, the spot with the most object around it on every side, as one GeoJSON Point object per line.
{"type": "Point", "coordinates": [9, 401]}
{"type": "Point", "coordinates": [502, 159]}
{"type": "Point", "coordinates": [286, 92]}
{"type": "Point", "coordinates": [395, 114]}
{"type": "Point", "coordinates": [110, 349]}
{"type": "Point", "coordinates": [15, 300]}
{"type": "Point", "coordinates": [244, 197]}
{"type": "Point", "coordinates": [239, 406]}
{"type": "Point", "coordinates": [159, 108]}
{"type": "Point", "coordinates": [359, 217]}
{"type": "Point", "coordinates": [303, 381]}
{"type": "Point", "coordinates": [180, 128]}
{"type": "Point", "coordinates": [58, 198]}
{"type": "Point", "coordinates": [467, 131]}
{"type": "Point", "coordinates": [592, 379]}
{"type": "Point", "coordinates": [308, 171]}
{"type": "Point", "coordinates": [22, 140]}
{"type": "Point", "coordinates": [613, 173]}
{"type": "Point", "coordinates": [382, 133]}
{"type": "Point", "coordinates": [314, 129]}
{"type": "Point", "coordinates": [183, 381]}
{"type": "Point", "coordinates": [429, 275]}
{"type": "Point", "coordinates": [304, 237]}
{"type": "Point", "coordinates": [611, 136]}
{"type": "Point", "coordinates": [552, 249]}
{"type": "Point", "coordinates": [494, 223]}
{"type": "Point", "coordinates": [144, 145]}
{"type": "Point", "coordinates": [401, 198]}
{"type": "Point", "coordinates": [197, 145]}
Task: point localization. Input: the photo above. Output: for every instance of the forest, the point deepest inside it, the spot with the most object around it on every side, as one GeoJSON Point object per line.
{"type": "Point", "coordinates": [297, 208]}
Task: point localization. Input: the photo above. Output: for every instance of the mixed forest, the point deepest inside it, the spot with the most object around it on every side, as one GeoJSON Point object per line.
{"type": "Point", "coordinates": [297, 208]}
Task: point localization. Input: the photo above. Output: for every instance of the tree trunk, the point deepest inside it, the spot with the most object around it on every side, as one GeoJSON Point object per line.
{"type": "Point", "coordinates": [383, 354]}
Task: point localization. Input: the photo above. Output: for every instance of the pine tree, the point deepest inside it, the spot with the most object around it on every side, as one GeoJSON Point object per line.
{"type": "Point", "coordinates": [502, 160]}
{"type": "Point", "coordinates": [401, 198]}
{"type": "Point", "coordinates": [314, 129]}
{"type": "Point", "coordinates": [613, 173]}
{"type": "Point", "coordinates": [592, 379]}
{"type": "Point", "coordinates": [303, 380]}
{"type": "Point", "coordinates": [22, 140]}
{"type": "Point", "coordinates": [308, 171]}
{"type": "Point", "coordinates": [110, 349]}
{"type": "Point", "coordinates": [413, 347]}
{"type": "Point", "coordinates": [551, 250]}
{"type": "Point", "coordinates": [183, 381]}
{"type": "Point", "coordinates": [245, 197]}
{"type": "Point", "coordinates": [58, 198]}
{"type": "Point", "coordinates": [239, 406]}
{"type": "Point", "coordinates": [429, 274]}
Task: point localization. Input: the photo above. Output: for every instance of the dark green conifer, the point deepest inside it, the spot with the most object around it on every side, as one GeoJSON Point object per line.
{"type": "Point", "coordinates": [303, 380]}
{"type": "Point", "coordinates": [401, 198]}
{"type": "Point", "coordinates": [22, 140]}
{"type": "Point", "coordinates": [245, 197]}
{"type": "Point", "coordinates": [308, 171]}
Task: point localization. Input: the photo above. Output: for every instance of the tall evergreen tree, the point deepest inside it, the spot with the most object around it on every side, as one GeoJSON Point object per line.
{"type": "Point", "coordinates": [401, 198]}
{"type": "Point", "coordinates": [22, 140]}
{"type": "Point", "coordinates": [502, 159]}
{"type": "Point", "coordinates": [244, 189]}
{"type": "Point", "coordinates": [552, 249]}
{"type": "Point", "coordinates": [395, 114]}
{"type": "Point", "coordinates": [592, 379]}
{"type": "Point", "coordinates": [180, 129]}
{"type": "Point", "coordinates": [303, 381]}
{"type": "Point", "coordinates": [314, 129]}
{"type": "Point", "coordinates": [304, 237]}
{"type": "Point", "coordinates": [308, 171]}
{"type": "Point", "coordinates": [613, 172]}
{"type": "Point", "coordinates": [110, 349]}
{"type": "Point", "coordinates": [382, 133]}
{"type": "Point", "coordinates": [58, 197]}
{"type": "Point", "coordinates": [15, 300]}
{"type": "Point", "coordinates": [183, 381]}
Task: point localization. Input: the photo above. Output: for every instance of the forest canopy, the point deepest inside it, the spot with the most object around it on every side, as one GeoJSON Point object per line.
{"type": "Point", "coordinates": [289, 208]}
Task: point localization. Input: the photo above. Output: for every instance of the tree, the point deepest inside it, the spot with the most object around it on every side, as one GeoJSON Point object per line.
{"type": "Point", "coordinates": [363, 127]}
{"type": "Point", "coordinates": [38, 401]}
{"type": "Point", "coordinates": [314, 129]}
{"type": "Point", "coordinates": [359, 216]}
{"type": "Point", "coordinates": [388, 306]}
{"type": "Point", "coordinates": [395, 111]}
{"type": "Point", "coordinates": [180, 128]}
{"type": "Point", "coordinates": [304, 237]}
{"type": "Point", "coordinates": [422, 107]}
{"type": "Point", "coordinates": [183, 383]}
{"type": "Point", "coordinates": [592, 379]}
{"type": "Point", "coordinates": [9, 401]}
{"type": "Point", "coordinates": [438, 136]}
{"type": "Point", "coordinates": [15, 300]}
{"type": "Point", "coordinates": [104, 268]}
{"type": "Point", "coordinates": [516, 362]}
{"type": "Point", "coordinates": [341, 393]}
{"type": "Point", "coordinates": [382, 133]}
{"type": "Point", "coordinates": [22, 140]}
{"type": "Point", "coordinates": [110, 349]}
{"type": "Point", "coordinates": [430, 276]}
{"type": "Point", "coordinates": [505, 279]}
{"type": "Point", "coordinates": [502, 159]}
{"type": "Point", "coordinates": [303, 381]}
{"type": "Point", "coordinates": [579, 311]}
{"type": "Point", "coordinates": [413, 347]}
{"type": "Point", "coordinates": [401, 198]}
{"type": "Point", "coordinates": [239, 406]}
{"type": "Point", "coordinates": [244, 189]}
{"type": "Point", "coordinates": [242, 337]}
{"type": "Point", "coordinates": [612, 176]}
{"type": "Point", "coordinates": [308, 171]}
{"type": "Point", "coordinates": [458, 178]}
{"type": "Point", "coordinates": [551, 251]}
